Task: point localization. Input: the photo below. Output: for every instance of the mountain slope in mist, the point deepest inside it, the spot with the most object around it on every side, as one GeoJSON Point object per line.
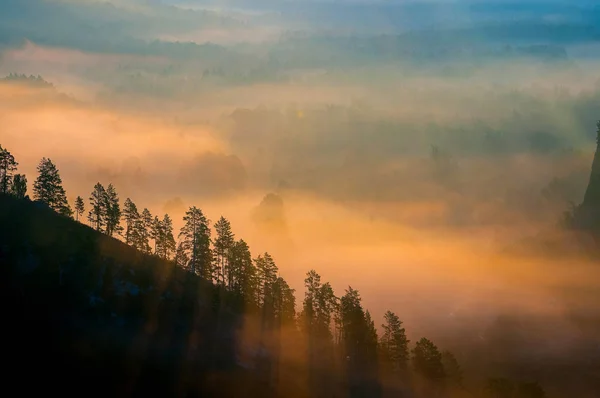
{"type": "Point", "coordinates": [101, 318]}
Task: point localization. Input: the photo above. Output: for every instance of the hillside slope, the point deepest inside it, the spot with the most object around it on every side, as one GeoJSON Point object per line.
{"type": "Point", "coordinates": [85, 314]}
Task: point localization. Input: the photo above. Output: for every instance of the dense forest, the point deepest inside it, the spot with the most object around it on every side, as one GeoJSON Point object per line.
{"type": "Point", "coordinates": [109, 294]}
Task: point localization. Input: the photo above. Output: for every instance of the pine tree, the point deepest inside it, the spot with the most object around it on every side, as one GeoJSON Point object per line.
{"type": "Point", "coordinates": [452, 368]}
{"type": "Point", "coordinates": [18, 187]}
{"type": "Point", "coordinates": [139, 236]}
{"type": "Point", "coordinates": [79, 207]}
{"type": "Point", "coordinates": [143, 230]}
{"type": "Point", "coordinates": [195, 242]}
{"type": "Point", "coordinates": [98, 212]}
{"type": "Point", "coordinates": [165, 242]}
{"type": "Point", "coordinates": [359, 344]}
{"type": "Point", "coordinates": [154, 233]}
{"type": "Point", "coordinates": [427, 361]}
{"type": "Point", "coordinates": [181, 257]}
{"type": "Point", "coordinates": [284, 302]}
{"type": "Point", "coordinates": [113, 211]}
{"type": "Point", "coordinates": [242, 272]}
{"type": "Point", "coordinates": [48, 189]}
{"type": "Point", "coordinates": [131, 216]}
{"type": "Point", "coordinates": [394, 344]}
{"type": "Point", "coordinates": [170, 244]}
{"type": "Point", "coordinates": [318, 308]}
{"type": "Point", "coordinates": [8, 166]}
{"type": "Point", "coordinates": [223, 244]}
{"type": "Point", "coordinates": [371, 341]}
{"type": "Point", "coordinates": [309, 324]}
{"type": "Point", "coordinates": [312, 284]}
{"type": "Point", "coordinates": [266, 272]}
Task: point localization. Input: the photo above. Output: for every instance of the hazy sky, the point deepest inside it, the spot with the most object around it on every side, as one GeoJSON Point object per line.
{"type": "Point", "coordinates": [337, 109]}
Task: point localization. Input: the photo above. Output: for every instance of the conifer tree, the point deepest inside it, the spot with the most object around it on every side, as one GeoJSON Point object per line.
{"type": "Point", "coordinates": [19, 186]}
{"type": "Point", "coordinates": [165, 242]}
{"type": "Point", "coordinates": [222, 247]}
{"type": "Point", "coordinates": [138, 236]}
{"type": "Point", "coordinates": [371, 342]}
{"type": "Point", "coordinates": [427, 361]}
{"type": "Point", "coordinates": [452, 368]}
{"type": "Point", "coordinates": [8, 166]}
{"type": "Point", "coordinates": [195, 242]}
{"type": "Point", "coordinates": [284, 302]}
{"type": "Point", "coordinates": [359, 344]}
{"type": "Point", "coordinates": [169, 244]}
{"type": "Point", "coordinates": [266, 272]}
{"type": "Point", "coordinates": [154, 232]}
{"type": "Point", "coordinates": [143, 227]}
{"type": "Point", "coordinates": [79, 207]}
{"type": "Point", "coordinates": [181, 258]}
{"type": "Point", "coordinates": [394, 344]}
{"type": "Point", "coordinates": [312, 283]}
{"type": "Point", "coordinates": [131, 216]}
{"type": "Point", "coordinates": [113, 211]}
{"type": "Point", "coordinates": [97, 215]}
{"type": "Point", "coordinates": [318, 307]}
{"type": "Point", "coordinates": [242, 276]}
{"type": "Point", "coordinates": [48, 189]}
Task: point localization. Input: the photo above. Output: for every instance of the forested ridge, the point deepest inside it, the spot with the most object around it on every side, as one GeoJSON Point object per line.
{"type": "Point", "coordinates": [102, 297]}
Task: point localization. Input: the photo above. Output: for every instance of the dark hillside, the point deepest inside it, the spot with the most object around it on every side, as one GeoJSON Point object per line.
{"type": "Point", "coordinates": [85, 314]}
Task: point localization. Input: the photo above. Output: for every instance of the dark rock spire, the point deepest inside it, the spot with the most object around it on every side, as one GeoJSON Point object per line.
{"type": "Point", "coordinates": [591, 198]}
{"type": "Point", "coordinates": [587, 214]}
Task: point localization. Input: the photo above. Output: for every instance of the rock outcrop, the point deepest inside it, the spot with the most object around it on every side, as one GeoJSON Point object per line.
{"type": "Point", "coordinates": [586, 216]}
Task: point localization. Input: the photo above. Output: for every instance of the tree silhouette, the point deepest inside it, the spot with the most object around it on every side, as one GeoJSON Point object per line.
{"type": "Point", "coordinates": [113, 211]}
{"type": "Point", "coordinates": [266, 273]}
{"type": "Point", "coordinates": [181, 257]}
{"type": "Point", "coordinates": [452, 368]}
{"type": "Point", "coordinates": [98, 212]}
{"type": "Point", "coordinates": [427, 361]}
{"type": "Point", "coordinates": [48, 189]}
{"type": "Point", "coordinates": [359, 342]}
{"type": "Point", "coordinates": [371, 340]}
{"type": "Point", "coordinates": [284, 302]}
{"type": "Point", "coordinates": [142, 230]}
{"type": "Point", "coordinates": [242, 272]}
{"type": "Point", "coordinates": [8, 166]}
{"type": "Point", "coordinates": [318, 308]}
{"type": "Point", "coordinates": [165, 242]}
{"type": "Point", "coordinates": [18, 187]}
{"type": "Point", "coordinates": [131, 216]}
{"type": "Point", "coordinates": [155, 232]}
{"type": "Point", "coordinates": [394, 344]}
{"type": "Point", "coordinates": [223, 244]}
{"type": "Point", "coordinates": [195, 242]}
{"type": "Point", "coordinates": [79, 207]}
